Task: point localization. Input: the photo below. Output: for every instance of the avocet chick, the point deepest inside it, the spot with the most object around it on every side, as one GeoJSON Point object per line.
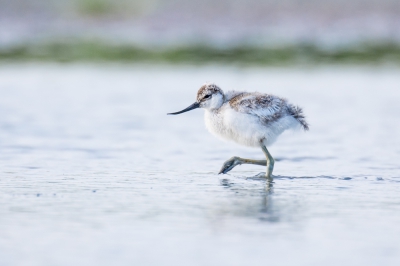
{"type": "Point", "coordinates": [249, 118]}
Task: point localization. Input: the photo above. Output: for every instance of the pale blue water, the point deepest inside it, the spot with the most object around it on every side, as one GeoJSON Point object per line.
{"type": "Point", "coordinates": [93, 172]}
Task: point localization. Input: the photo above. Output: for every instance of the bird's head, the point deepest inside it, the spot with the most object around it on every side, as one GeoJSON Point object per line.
{"type": "Point", "coordinates": [209, 96]}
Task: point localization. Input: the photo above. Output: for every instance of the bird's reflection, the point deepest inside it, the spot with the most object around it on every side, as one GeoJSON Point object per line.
{"type": "Point", "coordinates": [226, 182]}
{"type": "Point", "coordinates": [266, 210]}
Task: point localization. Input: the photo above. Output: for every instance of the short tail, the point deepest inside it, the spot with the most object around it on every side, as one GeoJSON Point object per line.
{"type": "Point", "coordinates": [297, 113]}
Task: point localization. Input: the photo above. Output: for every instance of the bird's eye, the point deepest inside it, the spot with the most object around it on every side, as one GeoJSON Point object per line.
{"type": "Point", "coordinates": [207, 96]}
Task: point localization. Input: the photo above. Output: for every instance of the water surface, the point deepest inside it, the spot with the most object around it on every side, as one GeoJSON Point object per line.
{"type": "Point", "coordinates": [93, 172]}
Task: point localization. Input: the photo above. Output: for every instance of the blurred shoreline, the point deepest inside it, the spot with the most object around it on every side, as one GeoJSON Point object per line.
{"type": "Point", "coordinates": [253, 31]}
{"type": "Point", "coordinates": [304, 54]}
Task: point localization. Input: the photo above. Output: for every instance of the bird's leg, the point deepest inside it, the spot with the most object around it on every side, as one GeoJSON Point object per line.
{"type": "Point", "coordinates": [234, 161]}
{"type": "Point", "coordinates": [270, 161]}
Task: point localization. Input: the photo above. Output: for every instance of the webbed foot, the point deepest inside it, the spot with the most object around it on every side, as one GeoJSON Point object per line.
{"type": "Point", "coordinates": [230, 164]}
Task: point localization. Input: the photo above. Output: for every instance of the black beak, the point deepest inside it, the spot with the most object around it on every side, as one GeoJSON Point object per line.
{"type": "Point", "coordinates": [193, 106]}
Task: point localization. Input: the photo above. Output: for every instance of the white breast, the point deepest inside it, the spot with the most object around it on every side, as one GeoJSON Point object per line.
{"type": "Point", "coordinates": [243, 128]}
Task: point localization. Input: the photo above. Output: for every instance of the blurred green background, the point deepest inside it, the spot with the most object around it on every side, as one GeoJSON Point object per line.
{"type": "Point", "coordinates": [268, 32]}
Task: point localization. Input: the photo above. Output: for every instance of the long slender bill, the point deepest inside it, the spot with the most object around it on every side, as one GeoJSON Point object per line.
{"type": "Point", "coordinates": [191, 107]}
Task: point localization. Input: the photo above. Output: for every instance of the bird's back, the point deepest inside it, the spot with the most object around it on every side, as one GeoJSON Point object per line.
{"type": "Point", "coordinates": [268, 108]}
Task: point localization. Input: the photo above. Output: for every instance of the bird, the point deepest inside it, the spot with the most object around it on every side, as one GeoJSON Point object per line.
{"type": "Point", "coordinates": [251, 119]}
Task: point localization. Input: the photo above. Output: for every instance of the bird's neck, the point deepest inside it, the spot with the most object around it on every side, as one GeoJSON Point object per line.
{"type": "Point", "coordinates": [214, 110]}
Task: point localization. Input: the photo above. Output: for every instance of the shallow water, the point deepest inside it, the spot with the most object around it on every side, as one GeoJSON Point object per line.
{"type": "Point", "coordinates": [93, 172]}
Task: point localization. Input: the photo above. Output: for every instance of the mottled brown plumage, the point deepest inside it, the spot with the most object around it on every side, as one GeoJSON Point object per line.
{"type": "Point", "coordinates": [268, 107]}
{"type": "Point", "coordinates": [207, 89]}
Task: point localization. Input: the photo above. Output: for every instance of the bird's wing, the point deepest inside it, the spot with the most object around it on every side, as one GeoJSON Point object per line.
{"type": "Point", "coordinates": [267, 107]}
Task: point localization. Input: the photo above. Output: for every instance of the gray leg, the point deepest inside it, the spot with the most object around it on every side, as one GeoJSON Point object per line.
{"type": "Point", "coordinates": [270, 162]}
{"type": "Point", "coordinates": [234, 161]}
